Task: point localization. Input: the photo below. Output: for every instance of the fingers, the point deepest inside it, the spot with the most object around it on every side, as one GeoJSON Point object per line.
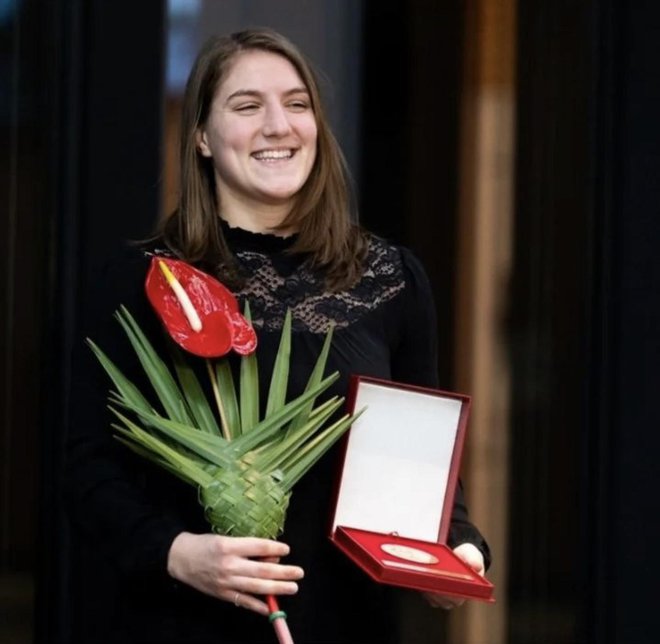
{"type": "Point", "coordinates": [245, 601]}
{"type": "Point", "coordinates": [472, 556]}
{"type": "Point", "coordinates": [244, 559]}
{"type": "Point", "coordinates": [256, 575]}
{"type": "Point", "coordinates": [249, 580]}
{"type": "Point", "coordinates": [265, 579]}
{"type": "Point", "coordinates": [249, 600]}
{"type": "Point", "coordinates": [443, 601]}
{"type": "Point", "coordinates": [450, 604]}
{"type": "Point", "coordinates": [269, 570]}
{"type": "Point", "coordinates": [237, 570]}
{"type": "Point", "coordinates": [261, 577]}
{"type": "Point", "coordinates": [255, 547]}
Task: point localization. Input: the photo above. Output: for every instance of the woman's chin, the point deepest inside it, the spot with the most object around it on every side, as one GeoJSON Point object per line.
{"type": "Point", "coordinates": [280, 196]}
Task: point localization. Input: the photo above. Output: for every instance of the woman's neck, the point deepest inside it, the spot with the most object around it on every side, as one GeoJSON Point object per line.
{"type": "Point", "coordinates": [256, 217]}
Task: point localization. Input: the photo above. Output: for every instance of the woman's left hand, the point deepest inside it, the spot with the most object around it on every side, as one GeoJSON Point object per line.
{"type": "Point", "coordinates": [472, 556]}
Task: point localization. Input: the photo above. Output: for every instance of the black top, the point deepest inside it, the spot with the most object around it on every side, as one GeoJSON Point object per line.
{"type": "Point", "coordinates": [127, 511]}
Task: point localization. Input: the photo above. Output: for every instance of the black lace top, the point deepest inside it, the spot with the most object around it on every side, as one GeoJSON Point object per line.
{"type": "Point", "coordinates": [130, 511]}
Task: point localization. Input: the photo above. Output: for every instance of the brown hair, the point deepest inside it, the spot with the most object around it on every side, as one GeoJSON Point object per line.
{"type": "Point", "coordinates": [321, 213]}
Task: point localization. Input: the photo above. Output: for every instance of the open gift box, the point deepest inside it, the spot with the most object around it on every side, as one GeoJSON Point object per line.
{"type": "Point", "coordinates": [397, 486]}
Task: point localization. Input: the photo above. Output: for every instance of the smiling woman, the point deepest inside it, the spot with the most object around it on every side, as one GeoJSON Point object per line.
{"type": "Point", "coordinates": [264, 207]}
{"type": "Point", "coordinates": [261, 134]}
{"type": "Point", "coordinates": [259, 85]}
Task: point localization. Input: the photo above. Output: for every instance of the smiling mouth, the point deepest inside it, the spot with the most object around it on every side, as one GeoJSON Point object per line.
{"type": "Point", "coordinates": [274, 155]}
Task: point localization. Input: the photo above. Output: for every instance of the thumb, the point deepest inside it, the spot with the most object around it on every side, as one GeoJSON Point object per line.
{"type": "Point", "coordinates": [472, 556]}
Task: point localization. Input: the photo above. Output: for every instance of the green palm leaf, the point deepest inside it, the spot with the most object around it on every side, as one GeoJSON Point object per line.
{"type": "Point", "coordinates": [280, 376]}
{"type": "Point", "coordinates": [300, 463]}
{"type": "Point", "coordinates": [198, 405]}
{"type": "Point", "coordinates": [249, 391]}
{"type": "Point", "coordinates": [159, 375]}
{"type": "Point", "coordinates": [314, 379]}
{"type": "Point", "coordinates": [228, 402]}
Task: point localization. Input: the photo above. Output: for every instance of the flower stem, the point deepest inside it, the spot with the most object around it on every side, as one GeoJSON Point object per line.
{"type": "Point", "coordinates": [278, 620]}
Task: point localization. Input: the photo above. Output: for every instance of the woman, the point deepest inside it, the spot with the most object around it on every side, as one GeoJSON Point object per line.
{"type": "Point", "coordinates": [264, 206]}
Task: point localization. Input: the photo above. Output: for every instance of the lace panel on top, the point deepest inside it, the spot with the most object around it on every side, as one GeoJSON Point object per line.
{"type": "Point", "coordinates": [271, 291]}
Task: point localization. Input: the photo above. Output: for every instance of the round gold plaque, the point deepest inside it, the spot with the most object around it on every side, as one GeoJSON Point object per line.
{"type": "Point", "coordinates": [409, 554]}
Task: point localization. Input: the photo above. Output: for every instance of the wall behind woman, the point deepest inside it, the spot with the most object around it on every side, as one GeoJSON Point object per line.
{"type": "Point", "coordinates": [102, 113]}
{"type": "Point", "coordinates": [26, 192]}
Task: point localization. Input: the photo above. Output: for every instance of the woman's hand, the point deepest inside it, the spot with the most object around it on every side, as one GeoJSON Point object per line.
{"type": "Point", "coordinates": [472, 556]}
{"type": "Point", "coordinates": [234, 569]}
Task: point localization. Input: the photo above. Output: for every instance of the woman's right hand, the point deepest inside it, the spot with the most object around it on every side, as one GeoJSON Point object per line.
{"type": "Point", "coordinates": [235, 569]}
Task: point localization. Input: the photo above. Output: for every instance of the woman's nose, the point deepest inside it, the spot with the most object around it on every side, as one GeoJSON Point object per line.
{"type": "Point", "coordinates": [276, 121]}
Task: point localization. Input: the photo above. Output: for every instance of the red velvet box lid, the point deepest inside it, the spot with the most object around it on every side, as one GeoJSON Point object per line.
{"type": "Point", "coordinates": [397, 486]}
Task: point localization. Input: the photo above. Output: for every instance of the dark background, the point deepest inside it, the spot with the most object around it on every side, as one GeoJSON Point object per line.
{"type": "Point", "coordinates": [81, 94]}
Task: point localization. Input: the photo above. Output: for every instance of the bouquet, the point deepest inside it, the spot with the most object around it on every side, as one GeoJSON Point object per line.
{"type": "Point", "coordinates": [244, 466]}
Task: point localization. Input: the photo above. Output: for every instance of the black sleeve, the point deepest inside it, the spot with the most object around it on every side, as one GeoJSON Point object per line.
{"type": "Point", "coordinates": [106, 496]}
{"type": "Point", "coordinates": [414, 360]}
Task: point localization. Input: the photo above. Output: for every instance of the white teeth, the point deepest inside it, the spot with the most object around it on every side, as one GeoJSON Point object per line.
{"type": "Point", "coordinates": [273, 154]}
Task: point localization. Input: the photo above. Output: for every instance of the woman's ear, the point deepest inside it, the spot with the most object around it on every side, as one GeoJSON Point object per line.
{"type": "Point", "coordinates": [202, 143]}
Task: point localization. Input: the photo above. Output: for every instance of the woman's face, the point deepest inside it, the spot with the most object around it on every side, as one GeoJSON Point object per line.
{"type": "Point", "coordinates": [260, 133]}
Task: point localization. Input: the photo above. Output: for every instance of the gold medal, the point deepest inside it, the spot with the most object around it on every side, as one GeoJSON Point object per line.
{"type": "Point", "coordinates": [409, 554]}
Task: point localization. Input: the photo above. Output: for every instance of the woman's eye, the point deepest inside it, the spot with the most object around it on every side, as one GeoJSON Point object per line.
{"type": "Point", "coordinates": [299, 106]}
{"type": "Point", "coordinates": [247, 107]}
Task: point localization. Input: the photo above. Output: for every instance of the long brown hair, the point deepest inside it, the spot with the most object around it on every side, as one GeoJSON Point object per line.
{"type": "Point", "coordinates": [322, 210]}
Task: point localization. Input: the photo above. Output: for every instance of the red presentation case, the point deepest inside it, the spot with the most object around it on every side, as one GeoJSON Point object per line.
{"type": "Point", "coordinates": [397, 485]}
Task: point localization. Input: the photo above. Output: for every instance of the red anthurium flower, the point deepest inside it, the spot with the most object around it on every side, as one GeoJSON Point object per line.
{"type": "Point", "coordinates": [200, 314]}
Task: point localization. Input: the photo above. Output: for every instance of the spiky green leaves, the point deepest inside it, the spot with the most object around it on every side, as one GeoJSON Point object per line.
{"type": "Point", "coordinates": [244, 466]}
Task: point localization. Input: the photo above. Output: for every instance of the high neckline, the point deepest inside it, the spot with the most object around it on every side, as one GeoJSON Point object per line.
{"type": "Point", "coordinates": [249, 240]}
